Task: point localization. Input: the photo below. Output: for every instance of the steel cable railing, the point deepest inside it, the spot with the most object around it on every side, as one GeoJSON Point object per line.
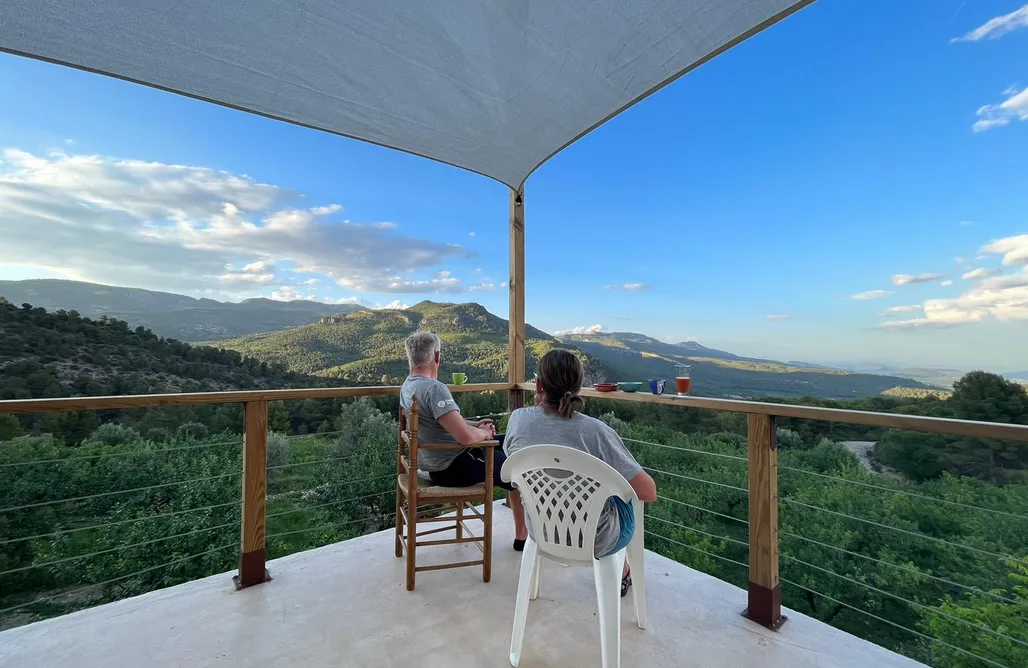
{"type": "Point", "coordinates": [150, 569]}
{"type": "Point", "coordinates": [92, 527]}
{"type": "Point", "coordinates": [902, 492]}
{"type": "Point", "coordinates": [126, 453]}
{"type": "Point", "coordinates": [330, 503]}
{"type": "Point", "coordinates": [706, 510]}
{"type": "Point", "coordinates": [120, 548]}
{"type": "Point", "coordinates": [309, 463]}
{"type": "Point", "coordinates": [923, 636]}
{"type": "Point", "coordinates": [915, 604]}
{"type": "Point", "coordinates": [690, 450]}
{"type": "Point", "coordinates": [1001, 635]}
{"type": "Point", "coordinates": [122, 491]}
{"type": "Point", "coordinates": [329, 485]}
{"type": "Point", "coordinates": [330, 525]}
{"type": "Point", "coordinates": [700, 480]}
{"type": "Point", "coordinates": [699, 531]}
{"type": "Point", "coordinates": [907, 569]}
{"type": "Point", "coordinates": [915, 534]}
{"type": "Point", "coordinates": [696, 549]}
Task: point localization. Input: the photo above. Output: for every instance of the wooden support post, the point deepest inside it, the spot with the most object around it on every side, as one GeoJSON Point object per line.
{"type": "Point", "coordinates": [516, 315]}
{"type": "Point", "coordinates": [765, 589]}
{"type": "Point", "coordinates": [255, 487]}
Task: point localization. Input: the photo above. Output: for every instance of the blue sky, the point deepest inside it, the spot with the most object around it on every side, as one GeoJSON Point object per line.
{"type": "Point", "coordinates": [848, 147]}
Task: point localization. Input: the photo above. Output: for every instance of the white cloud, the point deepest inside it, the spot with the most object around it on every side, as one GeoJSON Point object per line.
{"type": "Point", "coordinates": [177, 227]}
{"type": "Point", "coordinates": [782, 316]}
{"type": "Point", "coordinates": [893, 310]}
{"type": "Point", "coordinates": [870, 294]}
{"type": "Point", "coordinates": [627, 286]}
{"type": "Point", "coordinates": [237, 279]}
{"type": "Point", "coordinates": [981, 272]}
{"type": "Point", "coordinates": [259, 266]}
{"type": "Point", "coordinates": [288, 293]}
{"type": "Point", "coordinates": [994, 297]}
{"type": "Point", "coordinates": [1001, 298]}
{"type": "Point", "coordinates": [360, 301]}
{"type": "Point", "coordinates": [961, 260]}
{"type": "Point", "coordinates": [588, 329]}
{"type": "Point", "coordinates": [326, 210]}
{"type": "Point", "coordinates": [478, 287]}
{"type": "Point", "coordinates": [1013, 249]}
{"type": "Point", "coordinates": [948, 282]}
{"type": "Point", "coordinates": [1015, 107]}
{"type": "Point", "coordinates": [909, 279]}
{"type": "Point", "coordinates": [442, 274]}
{"type": "Point", "coordinates": [402, 285]}
{"type": "Point", "coordinates": [966, 223]}
{"type": "Point", "coordinates": [996, 27]}
{"type": "Point", "coordinates": [309, 281]}
{"type": "Point", "coordinates": [471, 234]}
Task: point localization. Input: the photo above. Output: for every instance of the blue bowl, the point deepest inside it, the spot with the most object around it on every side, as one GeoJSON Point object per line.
{"type": "Point", "coordinates": [629, 387]}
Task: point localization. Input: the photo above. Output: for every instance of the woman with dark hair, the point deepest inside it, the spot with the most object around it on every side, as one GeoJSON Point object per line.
{"type": "Point", "coordinates": [557, 419]}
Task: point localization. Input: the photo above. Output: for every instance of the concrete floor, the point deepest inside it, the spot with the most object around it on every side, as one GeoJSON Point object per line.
{"type": "Point", "coordinates": [346, 605]}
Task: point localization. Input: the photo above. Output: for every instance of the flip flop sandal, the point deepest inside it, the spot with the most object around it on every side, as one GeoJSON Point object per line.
{"type": "Point", "coordinates": [626, 583]}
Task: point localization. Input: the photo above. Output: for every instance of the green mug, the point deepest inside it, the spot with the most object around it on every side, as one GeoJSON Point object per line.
{"type": "Point", "coordinates": [460, 378]}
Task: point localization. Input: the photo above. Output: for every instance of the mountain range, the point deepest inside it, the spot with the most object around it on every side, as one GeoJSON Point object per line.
{"type": "Point", "coordinates": [168, 314]}
{"type": "Point", "coordinates": [723, 374]}
{"type": "Point", "coordinates": [355, 344]}
{"type": "Point", "coordinates": [366, 345]}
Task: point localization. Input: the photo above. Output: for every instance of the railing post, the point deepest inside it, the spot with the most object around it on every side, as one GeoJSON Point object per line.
{"type": "Point", "coordinates": [516, 315]}
{"type": "Point", "coordinates": [255, 486]}
{"type": "Point", "coordinates": [765, 589]}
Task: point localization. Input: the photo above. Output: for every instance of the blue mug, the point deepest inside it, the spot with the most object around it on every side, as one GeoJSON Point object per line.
{"type": "Point", "coordinates": [657, 386]}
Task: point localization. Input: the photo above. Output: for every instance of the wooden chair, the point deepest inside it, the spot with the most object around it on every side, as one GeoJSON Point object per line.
{"type": "Point", "coordinates": [412, 492]}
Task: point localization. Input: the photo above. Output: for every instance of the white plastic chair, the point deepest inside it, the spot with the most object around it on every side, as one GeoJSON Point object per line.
{"type": "Point", "coordinates": [564, 491]}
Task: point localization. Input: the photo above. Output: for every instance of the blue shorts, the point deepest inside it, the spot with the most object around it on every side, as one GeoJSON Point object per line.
{"type": "Point", "coordinates": [626, 517]}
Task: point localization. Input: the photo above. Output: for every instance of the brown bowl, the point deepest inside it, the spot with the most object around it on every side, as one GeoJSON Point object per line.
{"type": "Point", "coordinates": [605, 387]}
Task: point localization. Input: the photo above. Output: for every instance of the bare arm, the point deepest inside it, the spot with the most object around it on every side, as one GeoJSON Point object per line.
{"type": "Point", "coordinates": [644, 486]}
{"type": "Point", "coordinates": [464, 433]}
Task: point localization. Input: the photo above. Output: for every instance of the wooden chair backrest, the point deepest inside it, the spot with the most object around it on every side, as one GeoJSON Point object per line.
{"type": "Point", "coordinates": [407, 447]}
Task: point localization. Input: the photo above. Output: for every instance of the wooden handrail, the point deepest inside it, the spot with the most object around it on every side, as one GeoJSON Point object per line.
{"type": "Point", "coordinates": [230, 397]}
{"type": "Point", "coordinates": [1011, 432]}
{"type": "Point", "coordinates": [997, 430]}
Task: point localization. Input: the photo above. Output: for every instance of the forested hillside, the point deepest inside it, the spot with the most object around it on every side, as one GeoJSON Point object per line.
{"type": "Point", "coordinates": [63, 354]}
{"type": "Point", "coordinates": [168, 314]}
{"type": "Point", "coordinates": [366, 345]}
{"type": "Point", "coordinates": [717, 373]}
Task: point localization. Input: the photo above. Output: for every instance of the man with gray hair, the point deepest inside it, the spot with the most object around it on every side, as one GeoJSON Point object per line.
{"type": "Point", "coordinates": [440, 422]}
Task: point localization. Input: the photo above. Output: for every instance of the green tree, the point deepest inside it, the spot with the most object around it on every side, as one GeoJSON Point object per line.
{"type": "Point", "coordinates": [9, 427]}
{"type": "Point", "coordinates": [983, 611]}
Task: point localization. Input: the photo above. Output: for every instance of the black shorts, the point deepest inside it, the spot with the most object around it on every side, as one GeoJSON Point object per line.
{"type": "Point", "coordinates": [469, 468]}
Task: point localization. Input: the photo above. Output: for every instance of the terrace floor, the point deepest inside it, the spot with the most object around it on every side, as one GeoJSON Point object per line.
{"type": "Point", "coordinates": [345, 605]}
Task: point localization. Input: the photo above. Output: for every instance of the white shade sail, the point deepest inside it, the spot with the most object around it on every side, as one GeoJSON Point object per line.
{"type": "Point", "coordinates": [494, 86]}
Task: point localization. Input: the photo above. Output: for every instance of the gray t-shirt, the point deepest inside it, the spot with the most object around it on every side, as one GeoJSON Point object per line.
{"type": "Point", "coordinates": [535, 426]}
{"type": "Point", "coordinates": [434, 401]}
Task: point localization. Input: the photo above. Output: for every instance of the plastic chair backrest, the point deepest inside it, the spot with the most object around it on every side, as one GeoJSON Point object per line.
{"type": "Point", "coordinates": [564, 491]}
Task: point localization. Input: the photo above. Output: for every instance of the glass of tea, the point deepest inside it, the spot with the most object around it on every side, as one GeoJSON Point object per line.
{"type": "Point", "coordinates": [683, 379]}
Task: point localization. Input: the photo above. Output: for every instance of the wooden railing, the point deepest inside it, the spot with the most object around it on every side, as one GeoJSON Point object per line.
{"type": "Point", "coordinates": [252, 553]}
{"type": "Point", "coordinates": [764, 591]}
